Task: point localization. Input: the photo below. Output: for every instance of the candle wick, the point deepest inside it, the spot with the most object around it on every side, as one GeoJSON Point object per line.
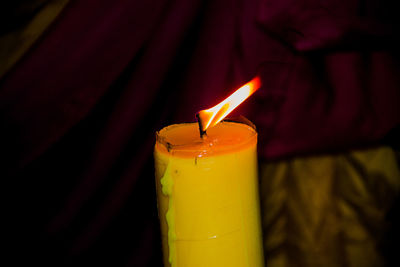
{"type": "Point", "coordinates": [202, 133]}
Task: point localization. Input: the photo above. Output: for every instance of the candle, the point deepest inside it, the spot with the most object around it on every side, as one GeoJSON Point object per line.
{"type": "Point", "coordinates": [208, 196]}
{"type": "Point", "coordinates": [207, 189]}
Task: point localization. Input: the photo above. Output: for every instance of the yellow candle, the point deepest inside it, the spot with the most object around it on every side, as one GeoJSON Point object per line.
{"type": "Point", "coordinates": [208, 196]}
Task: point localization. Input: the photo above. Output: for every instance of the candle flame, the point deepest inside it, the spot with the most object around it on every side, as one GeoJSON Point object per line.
{"type": "Point", "coordinates": [210, 117]}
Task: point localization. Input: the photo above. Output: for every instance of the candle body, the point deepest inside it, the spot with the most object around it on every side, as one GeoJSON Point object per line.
{"type": "Point", "coordinates": [208, 197]}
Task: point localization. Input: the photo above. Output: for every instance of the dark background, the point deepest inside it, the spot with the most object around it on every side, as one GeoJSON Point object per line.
{"type": "Point", "coordinates": [80, 108]}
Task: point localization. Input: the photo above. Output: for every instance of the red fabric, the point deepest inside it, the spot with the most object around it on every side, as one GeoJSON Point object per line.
{"type": "Point", "coordinates": [79, 112]}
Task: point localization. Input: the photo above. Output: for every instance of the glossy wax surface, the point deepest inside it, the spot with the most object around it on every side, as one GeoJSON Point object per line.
{"type": "Point", "coordinates": [208, 196]}
{"type": "Point", "coordinates": [183, 140]}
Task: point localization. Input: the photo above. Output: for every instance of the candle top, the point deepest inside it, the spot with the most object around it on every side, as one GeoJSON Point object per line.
{"type": "Point", "coordinates": [183, 140]}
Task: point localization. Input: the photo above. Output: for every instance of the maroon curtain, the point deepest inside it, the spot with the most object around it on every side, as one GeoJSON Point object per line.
{"type": "Point", "coordinates": [79, 111]}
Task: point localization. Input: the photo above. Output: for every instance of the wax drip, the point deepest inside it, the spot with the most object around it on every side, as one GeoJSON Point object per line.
{"type": "Point", "coordinates": [167, 184]}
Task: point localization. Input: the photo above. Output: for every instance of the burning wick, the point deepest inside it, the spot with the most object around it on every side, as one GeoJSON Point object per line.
{"type": "Point", "coordinates": [208, 118]}
{"type": "Point", "coordinates": [202, 132]}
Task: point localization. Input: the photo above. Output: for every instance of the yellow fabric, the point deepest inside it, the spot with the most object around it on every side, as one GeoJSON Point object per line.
{"type": "Point", "coordinates": [328, 210]}
{"type": "Point", "coordinates": [14, 44]}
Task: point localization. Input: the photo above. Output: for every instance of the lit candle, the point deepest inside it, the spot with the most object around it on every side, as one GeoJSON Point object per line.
{"type": "Point", "coordinates": [207, 190]}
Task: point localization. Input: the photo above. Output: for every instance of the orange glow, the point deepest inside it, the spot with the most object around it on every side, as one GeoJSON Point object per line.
{"type": "Point", "coordinates": [210, 117]}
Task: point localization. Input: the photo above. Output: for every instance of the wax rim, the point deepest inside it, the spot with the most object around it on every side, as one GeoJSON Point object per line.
{"type": "Point", "coordinates": [190, 149]}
